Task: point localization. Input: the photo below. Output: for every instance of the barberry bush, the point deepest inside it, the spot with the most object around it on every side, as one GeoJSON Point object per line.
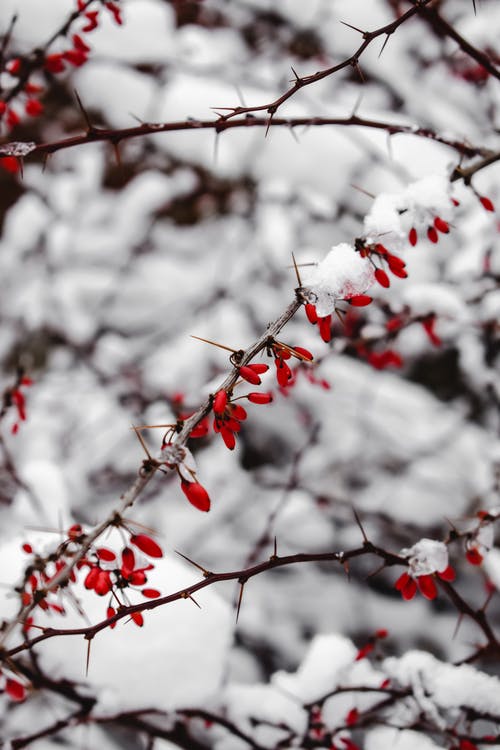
{"type": "Point", "coordinates": [250, 389]}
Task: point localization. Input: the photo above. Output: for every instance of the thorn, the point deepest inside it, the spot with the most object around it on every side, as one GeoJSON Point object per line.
{"type": "Point", "coordinates": [355, 28]}
{"type": "Point", "coordinates": [293, 134]}
{"type": "Point", "coordinates": [269, 124]}
{"type": "Point", "coordinates": [141, 440]}
{"type": "Point", "coordinates": [194, 601]}
{"type": "Point", "coordinates": [356, 106]}
{"type": "Point", "coordinates": [295, 73]}
{"type": "Point", "coordinates": [87, 661]}
{"type": "Point", "coordinates": [358, 521]}
{"type": "Point", "coordinates": [90, 127]}
{"type": "Point", "coordinates": [242, 586]}
{"type": "Point", "coordinates": [216, 148]}
{"type": "Point", "coordinates": [299, 281]}
{"type": "Point", "coordinates": [347, 570]}
{"type": "Point", "coordinates": [214, 343]}
{"type": "Point", "coordinates": [359, 71]}
{"type": "Point", "coordinates": [474, 6]}
{"type": "Point", "coordinates": [362, 190]}
{"type": "Point", "coordinates": [457, 626]}
{"type": "Point", "coordinates": [151, 426]}
{"type": "Point", "coordinates": [339, 314]}
{"type": "Point", "coordinates": [274, 556]}
{"type": "Point", "coordinates": [383, 46]}
{"type": "Point", "coordinates": [205, 572]}
{"type": "Point", "coordinates": [240, 96]}
{"type": "Point", "coordinates": [116, 149]}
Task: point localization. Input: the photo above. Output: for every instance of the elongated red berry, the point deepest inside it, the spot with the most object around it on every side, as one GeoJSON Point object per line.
{"type": "Point", "coordinates": [111, 612]}
{"type": "Point", "coordinates": [196, 494]}
{"type": "Point", "coordinates": [146, 545]}
{"type": "Point", "coordinates": [474, 557]}
{"type": "Point", "coordinates": [137, 618]}
{"type": "Point", "coordinates": [448, 574]}
{"type": "Point", "coordinates": [486, 203]}
{"type": "Point", "coordinates": [33, 107]}
{"type": "Point", "coordinates": [441, 225]}
{"type": "Point", "coordinates": [91, 578]}
{"type": "Point", "coordinates": [407, 586]}
{"type": "Point", "coordinates": [238, 412]}
{"type": "Point", "coordinates": [260, 398]}
{"type": "Point", "coordinates": [398, 271]}
{"type": "Point", "coordinates": [283, 372]}
{"type": "Point", "coordinates": [220, 402]}
{"type": "Point", "coordinates": [103, 584]}
{"type": "Point", "coordinates": [304, 353]}
{"type": "Point", "coordinates": [312, 316]}
{"type": "Point", "coordinates": [427, 586]}
{"type": "Point", "coordinates": [432, 235]}
{"type": "Point", "coordinates": [325, 328]}
{"type": "Point", "coordinates": [150, 593]}
{"type": "Point", "coordinates": [128, 560]}
{"type": "Point", "coordinates": [15, 690]}
{"type": "Point", "coordinates": [413, 236]}
{"type": "Point", "coordinates": [105, 554]}
{"type": "Point", "coordinates": [360, 300]}
{"type": "Point", "coordinates": [249, 375]}
{"type": "Point", "coordinates": [228, 438]}
{"type": "Point", "coordinates": [259, 367]}
{"type": "Point", "coordinates": [382, 277]}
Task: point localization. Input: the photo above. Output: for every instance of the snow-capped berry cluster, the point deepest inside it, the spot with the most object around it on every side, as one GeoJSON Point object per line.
{"type": "Point", "coordinates": [426, 559]}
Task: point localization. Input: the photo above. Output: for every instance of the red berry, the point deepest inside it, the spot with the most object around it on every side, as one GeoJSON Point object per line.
{"type": "Point", "coordinates": [146, 545]}
{"type": "Point", "coordinates": [33, 107]}
{"type": "Point", "coordinates": [260, 398]}
{"type": "Point", "coordinates": [15, 690]}
{"type": "Point", "coordinates": [311, 313]}
{"type": "Point", "coordinates": [105, 554]}
{"type": "Point", "coordinates": [54, 63]}
{"type": "Point", "coordinates": [229, 440]}
{"type": "Point", "coordinates": [474, 557]}
{"type": "Point", "coordinates": [137, 618]}
{"type": "Point", "coordinates": [432, 235]}
{"type": "Point", "coordinates": [248, 374]}
{"type": "Point", "coordinates": [382, 277]}
{"type": "Point", "coordinates": [196, 494]}
{"type": "Point", "coordinates": [441, 225]}
{"type": "Point", "coordinates": [305, 353]}
{"type": "Point", "coordinates": [151, 593]}
{"type": "Point", "coordinates": [448, 574]}
{"type": "Point", "coordinates": [427, 586]}
{"type": "Point", "coordinates": [486, 203]}
{"type": "Point", "coordinates": [111, 612]}
{"type": "Point", "coordinates": [413, 237]}
{"type": "Point", "coordinates": [128, 561]}
{"type": "Point", "coordinates": [359, 300]}
{"type": "Point", "coordinates": [325, 328]}
{"type": "Point", "coordinates": [220, 402]}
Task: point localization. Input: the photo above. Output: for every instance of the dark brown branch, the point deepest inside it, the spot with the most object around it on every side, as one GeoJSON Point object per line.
{"type": "Point", "coordinates": [443, 28]}
{"type": "Point", "coordinates": [211, 578]}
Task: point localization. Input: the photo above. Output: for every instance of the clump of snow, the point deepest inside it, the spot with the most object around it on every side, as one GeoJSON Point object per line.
{"type": "Point", "coordinates": [342, 274]}
{"type": "Point", "coordinates": [393, 214]}
{"type": "Point", "coordinates": [446, 685]}
{"type": "Point", "coordinates": [382, 738]}
{"type": "Point", "coordinates": [426, 556]}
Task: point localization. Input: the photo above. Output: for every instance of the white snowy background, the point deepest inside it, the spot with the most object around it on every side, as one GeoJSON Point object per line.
{"type": "Point", "coordinates": [106, 270]}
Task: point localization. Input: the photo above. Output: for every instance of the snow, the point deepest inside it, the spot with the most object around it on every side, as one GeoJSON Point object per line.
{"type": "Point", "coordinates": [108, 268]}
{"type": "Point", "coordinates": [426, 556]}
{"type": "Point", "coordinates": [341, 274]}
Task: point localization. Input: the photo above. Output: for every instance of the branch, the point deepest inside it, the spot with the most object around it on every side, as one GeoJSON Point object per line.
{"type": "Point", "coordinates": [209, 579]}
{"type": "Point", "coordinates": [114, 137]}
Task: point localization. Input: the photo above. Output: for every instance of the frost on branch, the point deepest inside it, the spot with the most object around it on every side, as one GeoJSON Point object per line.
{"type": "Point", "coordinates": [342, 274]}
{"type": "Point", "coordinates": [17, 148]}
